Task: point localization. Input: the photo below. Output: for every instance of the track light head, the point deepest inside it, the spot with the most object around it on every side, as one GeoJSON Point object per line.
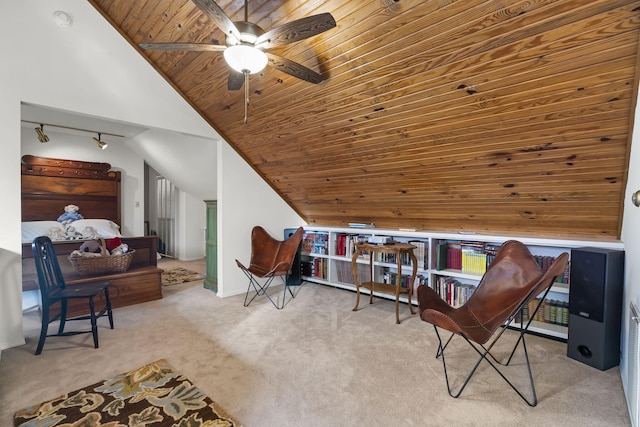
{"type": "Point", "coordinates": [41, 136]}
{"type": "Point", "coordinates": [98, 140]}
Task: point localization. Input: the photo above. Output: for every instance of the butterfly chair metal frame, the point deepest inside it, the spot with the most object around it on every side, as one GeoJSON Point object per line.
{"type": "Point", "coordinates": [515, 266]}
{"type": "Point", "coordinates": [270, 258]}
{"type": "Point", "coordinates": [53, 289]}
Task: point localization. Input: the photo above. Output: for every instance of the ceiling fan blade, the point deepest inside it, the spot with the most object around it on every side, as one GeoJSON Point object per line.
{"type": "Point", "coordinates": [201, 47]}
{"type": "Point", "coordinates": [236, 80]}
{"type": "Point", "coordinates": [296, 30]}
{"type": "Point", "coordinates": [293, 68]}
{"type": "Point", "coordinates": [217, 15]}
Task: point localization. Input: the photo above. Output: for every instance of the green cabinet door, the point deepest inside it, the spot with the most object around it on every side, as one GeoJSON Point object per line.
{"type": "Point", "coordinates": [211, 279]}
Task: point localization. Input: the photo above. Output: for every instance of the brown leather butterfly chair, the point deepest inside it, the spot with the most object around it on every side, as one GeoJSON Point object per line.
{"type": "Point", "coordinates": [270, 258]}
{"type": "Point", "coordinates": [512, 280]}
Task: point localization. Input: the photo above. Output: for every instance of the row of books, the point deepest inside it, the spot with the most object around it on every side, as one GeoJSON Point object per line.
{"type": "Point", "coordinates": [552, 311]}
{"type": "Point", "coordinates": [314, 267]}
{"type": "Point", "coordinates": [474, 262]}
{"type": "Point", "coordinates": [475, 257]}
{"type": "Point", "coordinates": [468, 256]}
{"type": "Point", "coordinates": [390, 277]}
{"type": "Point", "coordinates": [346, 244]}
{"type": "Point", "coordinates": [391, 258]}
{"type": "Point", "coordinates": [315, 243]}
{"type": "Point", "coordinates": [421, 252]}
{"type": "Point", "coordinates": [344, 272]}
{"type": "Point", "coordinates": [545, 262]}
{"type": "Point", "coordinates": [452, 291]}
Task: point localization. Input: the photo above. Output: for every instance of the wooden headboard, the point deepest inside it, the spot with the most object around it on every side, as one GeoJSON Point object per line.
{"type": "Point", "coordinates": [48, 185]}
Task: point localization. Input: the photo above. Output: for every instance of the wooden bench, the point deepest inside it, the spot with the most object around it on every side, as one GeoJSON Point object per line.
{"type": "Point", "coordinates": [140, 283]}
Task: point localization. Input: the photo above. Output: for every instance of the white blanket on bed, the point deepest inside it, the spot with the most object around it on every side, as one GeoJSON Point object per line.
{"type": "Point", "coordinates": [81, 229]}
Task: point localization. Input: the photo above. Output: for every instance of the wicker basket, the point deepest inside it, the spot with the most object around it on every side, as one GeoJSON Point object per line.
{"type": "Point", "coordinates": [91, 266]}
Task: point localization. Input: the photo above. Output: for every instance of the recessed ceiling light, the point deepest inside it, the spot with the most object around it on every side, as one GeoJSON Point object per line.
{"type": "Point", "coordinates": [63, 19]}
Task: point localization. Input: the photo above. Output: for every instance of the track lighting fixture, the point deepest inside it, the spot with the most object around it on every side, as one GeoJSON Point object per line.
{"type": "Point", "coordinates": [44, 138]}
{"type": "Point", "coordinates": [41, 136]}
{"type": "Point", "coordinates": [102, 144]}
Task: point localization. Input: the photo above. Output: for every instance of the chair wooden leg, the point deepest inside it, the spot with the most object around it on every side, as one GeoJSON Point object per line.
{"type": "Point", "coordinates": [94, 324]}
{"type": "Point", "coordinates": [108, 304]}
{"type": "Point", "coordinates": [43, 328]}
{"type": "Point", "coordinates": [63, 315]}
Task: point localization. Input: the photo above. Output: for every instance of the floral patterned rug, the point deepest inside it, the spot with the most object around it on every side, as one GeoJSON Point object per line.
{"type": "Point", "coordinates": [153, 395]}
{"type": "Point", "coordinates": [176, 275]}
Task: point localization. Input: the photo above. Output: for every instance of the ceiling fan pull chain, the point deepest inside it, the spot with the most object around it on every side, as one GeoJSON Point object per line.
{"type": "Point", "coordinates": [246, 95]}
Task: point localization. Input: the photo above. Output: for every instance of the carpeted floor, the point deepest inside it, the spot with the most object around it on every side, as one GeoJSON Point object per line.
{"type": "Point", "coordinates": [314, 363]}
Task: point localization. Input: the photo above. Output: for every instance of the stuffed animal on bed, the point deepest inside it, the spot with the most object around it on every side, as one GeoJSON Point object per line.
{"type": "Point", "coordinates": [70, 214]}
{"type": "Point", "coordinates": [71, 233]}
{"type": "Point", "coordinates": [56, 233]}
{"type": "Point", "coordinates": [90, 233]}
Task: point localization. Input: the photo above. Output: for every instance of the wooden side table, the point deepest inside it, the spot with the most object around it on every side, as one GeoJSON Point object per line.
{"type": "Point", "coordinates": [372, 285]}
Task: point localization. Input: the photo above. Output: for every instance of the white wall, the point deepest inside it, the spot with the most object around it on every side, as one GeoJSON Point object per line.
{"type": "Point", "coordinates": [631, 238]}
{"type": "Point", "coordinates": [90, 69]}
{"type": "Point", "coordinates": [244, 200]}
{"type": "Point", "coordinates": [192, 221]}
{"type": "Point", "coordinates": [187, 161]}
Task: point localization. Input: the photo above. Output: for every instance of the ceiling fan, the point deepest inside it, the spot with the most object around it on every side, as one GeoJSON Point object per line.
{"type": "Point", "coordinates": [246, 45]}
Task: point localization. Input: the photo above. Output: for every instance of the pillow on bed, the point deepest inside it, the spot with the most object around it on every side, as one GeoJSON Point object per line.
{"type": "Point", "coordinates": [105, 228]}
{"type": "Point", "coordinates": [33, 229]}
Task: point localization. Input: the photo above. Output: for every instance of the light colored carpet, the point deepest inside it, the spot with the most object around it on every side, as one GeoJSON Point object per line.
{"type": "Point", "coordinates": [314, 363]}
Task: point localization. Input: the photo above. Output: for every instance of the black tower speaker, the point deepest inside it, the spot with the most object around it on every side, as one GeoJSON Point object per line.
{"type": "Point", "coordinates": [295, 278]}
{"type": "Point", "coordinates": [595, 306]}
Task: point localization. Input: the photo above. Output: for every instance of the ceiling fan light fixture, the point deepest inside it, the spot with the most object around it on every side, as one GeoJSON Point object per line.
{"type": "Point", "coordinates": [247, 58]}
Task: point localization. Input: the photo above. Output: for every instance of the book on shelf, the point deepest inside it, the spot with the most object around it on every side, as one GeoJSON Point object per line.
{"type": "Point", "coordinates": [474, 258]}
{"type": "Point", "coordinates": [551, 311]}
{"type": "Point", "coordinates": [441, 256]}
{"type": "Point", "coordinates": [344, 272]}
{"type": "Point", "coordinates": [452, 291]}
{"type": "Point", "coordinates": [361, 225]}
{"type": "Point", "coordinates": [454, 255]}
{"type": "Point", "coordinates": [320, 268]}
{"type": "Point", "coordinates": [491, 251]}
{"type": "Point", "coordinates": [392, 258]}
{"type": "Point", "coordinates": [465, 255]}
{"type": "Point", "coordinates": [315, 243]}
{"type": "Point", "coordinates": [344, 244]}
{"type": "Point", "coordinates": [420, 252]}
{"type": "Point", "coordinates": [546, 261]}
{"type": "Point", "coordinates": [314, 267]}
{"type": "Point", "coordinates": [390, 277]}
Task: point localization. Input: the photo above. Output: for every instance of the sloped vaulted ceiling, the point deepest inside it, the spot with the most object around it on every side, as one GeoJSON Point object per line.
{"type": "Point", "coordinates": [483, 115]}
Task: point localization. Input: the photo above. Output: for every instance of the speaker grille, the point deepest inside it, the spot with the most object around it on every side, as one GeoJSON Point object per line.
{"type": "Point", "coordinates": [587, 284]}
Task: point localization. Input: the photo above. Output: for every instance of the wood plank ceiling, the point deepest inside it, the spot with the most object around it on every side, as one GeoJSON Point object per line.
{"type": "Point", "coordinates": [484, 115]}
